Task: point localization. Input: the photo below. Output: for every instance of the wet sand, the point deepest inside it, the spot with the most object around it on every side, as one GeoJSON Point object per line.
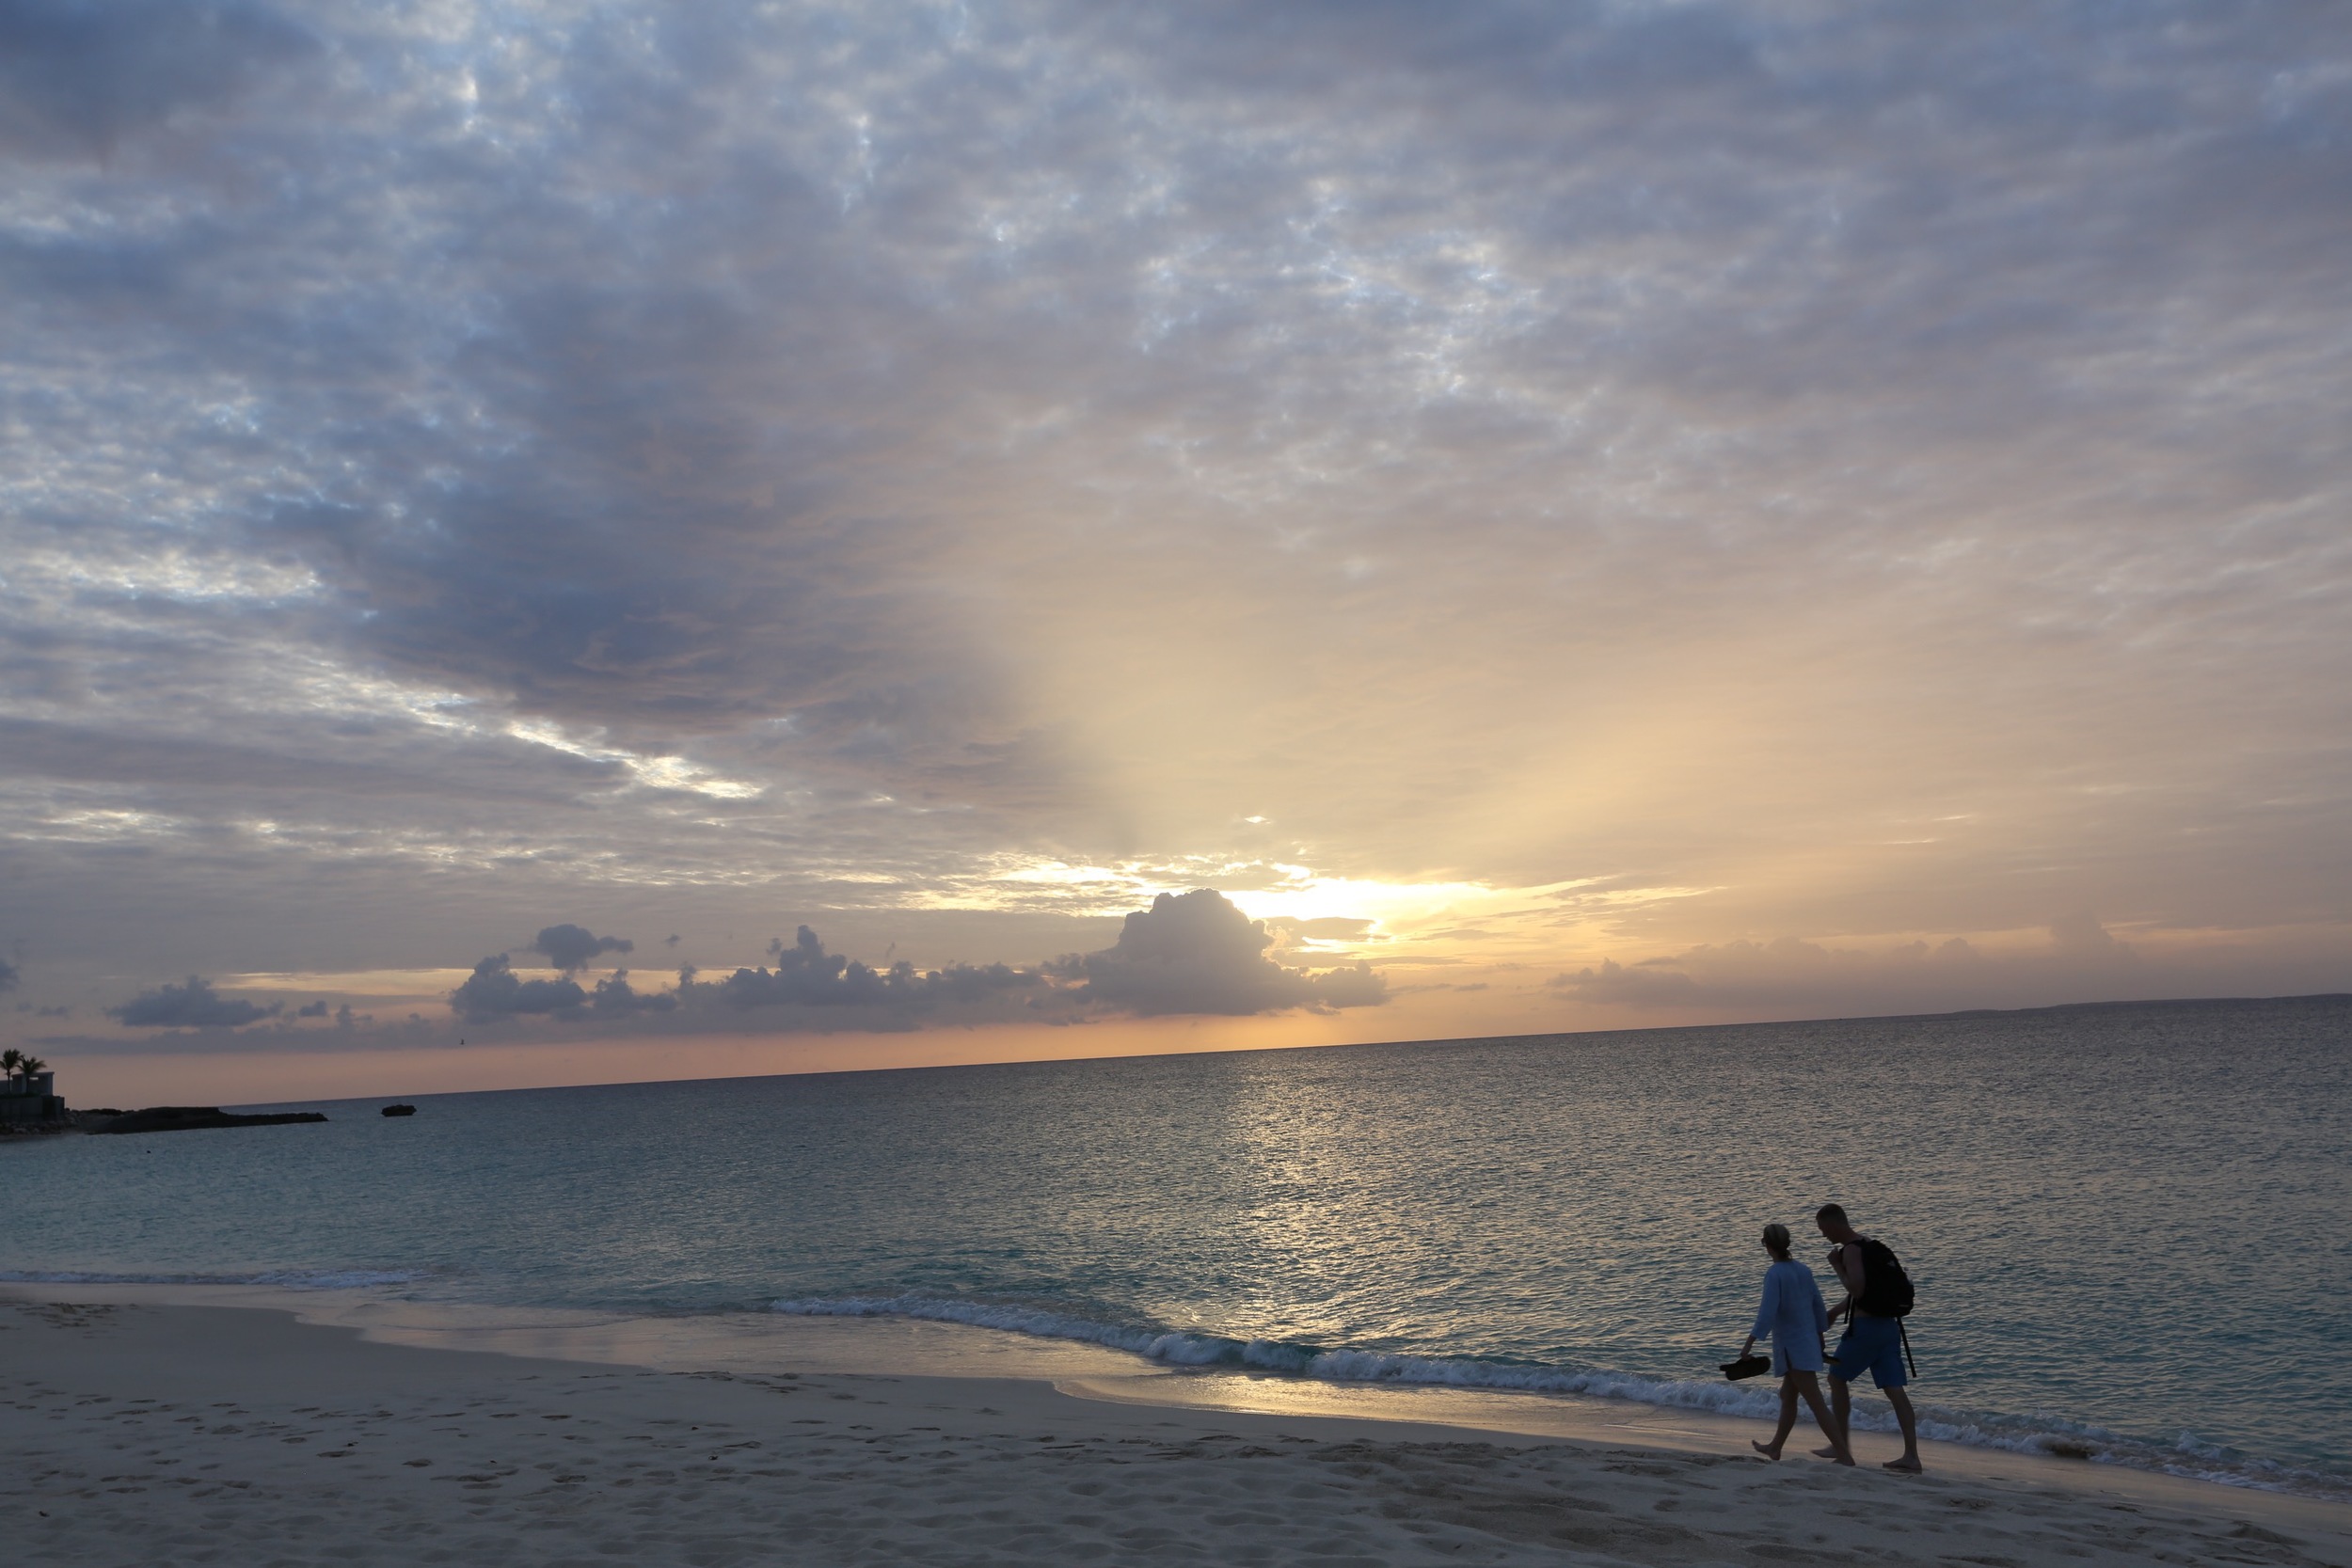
{"type": "Point", "coordinates": [171, 1425]}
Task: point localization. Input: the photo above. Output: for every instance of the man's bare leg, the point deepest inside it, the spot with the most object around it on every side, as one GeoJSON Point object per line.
{"type": "Point", "coordinates": [1837, 1437]}
{"type": "Point", "coordinates": [1841, 1406]}
{"type": "Point", "coordinates": [1909, 1420]}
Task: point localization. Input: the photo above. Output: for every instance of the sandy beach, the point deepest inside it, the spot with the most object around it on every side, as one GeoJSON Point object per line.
{"type": "Point", "coordinates": [142, 1429]}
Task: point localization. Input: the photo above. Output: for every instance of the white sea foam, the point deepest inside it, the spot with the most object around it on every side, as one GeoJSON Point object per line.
{"type": "Point", "coordinates": [284, 1279]}
{"type": "Point", "coordinates": [2046, 1435]}
{"type": "Point", "coordinates": [1178, 1350]}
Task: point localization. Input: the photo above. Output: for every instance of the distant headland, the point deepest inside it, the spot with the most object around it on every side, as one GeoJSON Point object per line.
{"type": "Point", "coordinates": [30, 1105]}
{"type": "Point", "coordinates": [185, 1119]}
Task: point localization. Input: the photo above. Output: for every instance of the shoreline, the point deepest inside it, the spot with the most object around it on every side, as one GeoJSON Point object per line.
{"type": "Point", "coordinates": [1109, 1364]}
{"type": "Point", "coordinates": [1090, 1395]}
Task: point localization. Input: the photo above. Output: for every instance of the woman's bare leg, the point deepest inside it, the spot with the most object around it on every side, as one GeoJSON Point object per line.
{"type": "Point", "coordinates": [1803, 1383]}
{"type": "Point", "coordinates": [1788, 1417]}
{"type": "Point", "coordinates": [1842, 1404]}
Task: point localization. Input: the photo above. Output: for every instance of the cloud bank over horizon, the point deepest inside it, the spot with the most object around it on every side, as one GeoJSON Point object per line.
{"type": "Point", "coordinates": [1196, 953]}
{"type": "Point", "coordinates": [1624, 507]}
{"type": "Point", "coordinates": [1912, 977]}
{"type": "Point", "coordinates": [1193, 954]}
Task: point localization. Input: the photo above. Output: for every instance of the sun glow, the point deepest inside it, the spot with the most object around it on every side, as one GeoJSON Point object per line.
{"type": "Point", "coordinates": [1293, 894]}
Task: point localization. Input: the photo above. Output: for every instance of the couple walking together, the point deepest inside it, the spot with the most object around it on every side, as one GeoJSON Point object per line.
{"type": "Point", "coordinates": [1794, 1317]}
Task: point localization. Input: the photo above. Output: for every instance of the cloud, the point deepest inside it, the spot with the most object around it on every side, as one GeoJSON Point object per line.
{"type": "Point", "coordinates": [1193, 953]}
{"type": "Point", "coordinates": [1649, 984]}
{"type": "Point", "coordinates": [8, 976]}
{"type": "Point", "coordinates": [494, 990]}
{"type": "Point", "coordinates": [192, 1006]}
{"type": "Point", "coordinates": [1336, 929]}
{"type": "Point", "coordinates": [613, 997]}
{"type": "Point", "coordinates": [574, 948]}
{"type": "Point", "coordinates": [2079, 934]}
{"type": "Point", "coordinates": [312, 1009]}
{"type": "Point", "coordinates": [1196, 953]}
{"type": "Point", "coordinates": [76, 79]}
{"type": "Point", "coordinates": [1209, 454]}
{"type": "Point", "coordinates": [801, 977]}
{"type": "Point", "coordinates": [2081, 958]}
{"type": "Point", "coordinates": [805, 974]}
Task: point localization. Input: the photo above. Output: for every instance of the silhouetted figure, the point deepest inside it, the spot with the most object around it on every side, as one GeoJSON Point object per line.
{"type": "Point", "coordinates": [1792, 1317]}
{"type": "Point", "coordinates": [1878, 1293]}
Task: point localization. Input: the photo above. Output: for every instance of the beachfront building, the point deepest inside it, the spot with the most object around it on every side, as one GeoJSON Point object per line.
{"type": "Point", "coordinates": [32, 1101]}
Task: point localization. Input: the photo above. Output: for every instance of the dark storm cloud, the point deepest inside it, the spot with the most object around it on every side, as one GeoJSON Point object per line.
{"type": "Point", "coordinates": [568, 948]}
{"type": "Point", "coordinates": [1196, 953]}
{"type": "Point", "coordinates": [192, 1006]}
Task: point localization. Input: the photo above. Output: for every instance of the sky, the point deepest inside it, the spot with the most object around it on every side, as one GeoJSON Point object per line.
{"type": "Point", "coordinates": [660, 541]}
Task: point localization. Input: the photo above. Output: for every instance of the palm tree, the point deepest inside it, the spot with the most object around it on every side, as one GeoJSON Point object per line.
{"type": "Point", "coordinates": [10, 1060]}
{"type": "Point", "coordinates": [31, 1067]}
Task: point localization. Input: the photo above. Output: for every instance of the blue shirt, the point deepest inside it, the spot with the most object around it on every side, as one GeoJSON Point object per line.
{"type": "Point", "coordinates": [1794, 1317]}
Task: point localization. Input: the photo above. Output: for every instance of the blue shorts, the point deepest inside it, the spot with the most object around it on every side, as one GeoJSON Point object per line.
{"type": "Point", "coordinates": [1873, 1342]}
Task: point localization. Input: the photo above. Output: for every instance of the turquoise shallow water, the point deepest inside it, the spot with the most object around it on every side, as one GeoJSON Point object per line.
{"type": "Point", "coordinates": [2128, 1224]}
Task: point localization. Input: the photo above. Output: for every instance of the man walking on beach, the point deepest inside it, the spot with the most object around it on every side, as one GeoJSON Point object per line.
{"type": "Point", "coordinates": [1877, 1293]}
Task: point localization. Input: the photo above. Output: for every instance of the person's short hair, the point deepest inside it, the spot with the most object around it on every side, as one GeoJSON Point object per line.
{"type": "Point", "coordinates": [1830, 1211]}
{"type": "Point", "coordinates": [1777, 1238]}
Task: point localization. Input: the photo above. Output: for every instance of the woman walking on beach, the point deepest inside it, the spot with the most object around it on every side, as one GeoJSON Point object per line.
{"type": "Point", "coordinates": [1794, 1318]}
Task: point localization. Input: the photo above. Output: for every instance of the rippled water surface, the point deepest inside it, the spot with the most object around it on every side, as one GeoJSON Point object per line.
{"type": "Point", "coordinates": [2128, 1225]}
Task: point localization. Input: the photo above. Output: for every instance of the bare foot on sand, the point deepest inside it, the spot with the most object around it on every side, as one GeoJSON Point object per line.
{"type": "Point", "coordinates": [1833, 1455]}
{"type": "Point", "coordinates": [1908, 1466]}
{"type": "Point", "coordinates": [1765, 1449]}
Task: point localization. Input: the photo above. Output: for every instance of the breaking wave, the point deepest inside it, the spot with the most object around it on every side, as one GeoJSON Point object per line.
{"type": "Point", "coordinates": [2048, 1435]}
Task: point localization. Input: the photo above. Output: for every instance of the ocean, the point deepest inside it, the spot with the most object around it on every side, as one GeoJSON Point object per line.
{"type": "Point", "coordinates": [2130, 1226]}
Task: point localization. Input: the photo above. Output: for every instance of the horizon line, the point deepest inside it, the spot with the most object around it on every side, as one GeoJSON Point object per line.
{"type": "Point", "coordinates": [1363, 1045]}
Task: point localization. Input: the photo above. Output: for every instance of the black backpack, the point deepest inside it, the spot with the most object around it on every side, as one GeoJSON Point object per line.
{"type": "Point", "coordinates": [1886, 1291]}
